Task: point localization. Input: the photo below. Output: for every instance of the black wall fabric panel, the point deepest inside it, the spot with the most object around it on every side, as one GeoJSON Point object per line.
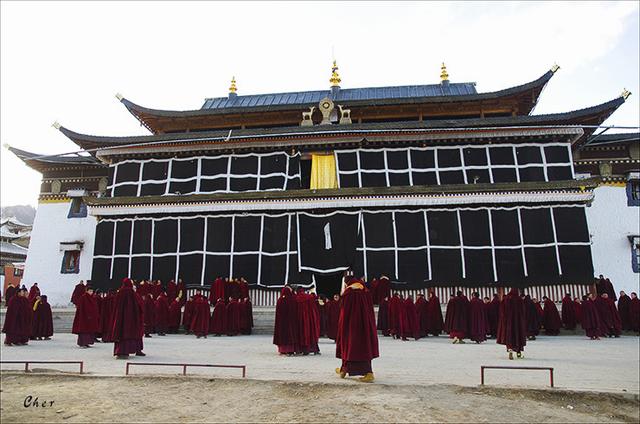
{"type": "Point", "coordinates": [184, 168]}
{"type": "Point", "coordinates": [165, 239]}
{"type": "Point", "coordinates": [216, 266]}
{"type": "Point", "coordinates": [129, 171]}
{"type": "Point", "coordinates": [191, 234]}
{"type": "Point", "coordinates": [155, 170]}
{"type": "Point", "coordinates": [219, 234]}
{"type": "Point", "coordinates": [478, 264]}
{"type": "Point", "coordinates": [104, 238]}
{"type": "Point", "coordinates": [410, 229]}
{"type": "Point", "coordinates": [274, 234]}
{"type": "Point", "coordinates": [100, 273]}
{"type": "Point", "coordinates": [443, 228]}
{"type": "Point", "coordinates": [140, 268]}
{"type": "Point", "coordinates": [412, 265]}
{"type": "Point", "coordinates": [246, 266]}
{"type": "Point", "coordinates": [510, 266]}
{"type": "Point", "coordinates": [536, 226]}
{"type": "Point", "coordinates": [247, 234]}
{"type": "Point", "coordinates": [571, 224]}
{"type": "Point", "coordinates": [164, 268]}
{"type": "Point", "coordinates": [217, 166]}
{"type": "Point", "coordinates": [505, 225]}
{"type": "Point", "coordinates": [315, 250]}
{"type": "Point", "coordinates": [475, 157]}
{"type": "Point", "coordinates": [378, 229]}
{"type": "Point", "coordinates": [123, 237]}
{"type": "Point", "coordinates": [475, 228]}
{"type": "Point", "coordinates": [142, 236]}
{"type": "Point", "coordinates": [190, 269]}
{"type": "Point", "coordinates": [447, 265]}
{"type": "Point", "coordinates": [273, 270]}
{"type": "Point", "coordinates": [576, 263]}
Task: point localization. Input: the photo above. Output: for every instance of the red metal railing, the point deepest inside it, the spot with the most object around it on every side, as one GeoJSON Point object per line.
{"type": "Point", "coordinates": [502, 367]}
{"type": "Point", "coordinates": [26, 363]}
{"type": "Point", "coordinates": [184, 366]}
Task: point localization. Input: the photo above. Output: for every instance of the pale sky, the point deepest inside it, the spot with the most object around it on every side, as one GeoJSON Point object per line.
{"type": "Point", "coordinates": [66, 61]}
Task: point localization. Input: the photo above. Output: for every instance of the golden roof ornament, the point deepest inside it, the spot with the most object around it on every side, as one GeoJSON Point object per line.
{"type": "Point", "coordinates": [444, 75]}
{"type": "Point", "coordinates": [625, 93]}
{"type": "Point", "coordinates": [233, 89]}
{"type": "Point", "coordinates": [555, 68]}
{"type": "Point", "coordinates": [335, 77]}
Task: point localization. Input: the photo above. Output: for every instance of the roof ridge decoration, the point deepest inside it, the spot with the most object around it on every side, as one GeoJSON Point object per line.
{"type": "Point", "coordinates": [233, 88]}
{"type": "Point", "coordinates": [444, 75]}
{"type": "Point", "coordinates": [335, 77]}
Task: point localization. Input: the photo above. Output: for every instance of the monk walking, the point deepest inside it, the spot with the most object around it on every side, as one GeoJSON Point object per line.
{"type": "Point", "coordinates": [551, 318]}
{"type": "Point", "coordinates": [285, 329]}
{"type": "Point", "coordinates": [162, 314]}
{"type": "Point", "coordinates": [478, 322]}
{"type": "Point", "coordinates": [435, 323]}
{"type": "Point", "coordinates": [357, 339]}
{"type": "Point", "coordinates": [512, 327]}
{"type": "Point", "coordinates": [568, 312]}
{"type": "Point", "coordinates": [218, 323]}
{"type": "Point", "coordinates": [18, 318]}
{"type": "Point", "coordinates": [128, 325]}
{"type": "Point", "coordinates": [42, 328]}
{"type": "Point", "coordinates": [87, 319]}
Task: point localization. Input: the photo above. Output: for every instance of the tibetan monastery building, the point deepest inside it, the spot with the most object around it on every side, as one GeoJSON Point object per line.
{"type": "Point", "coordinates": [436, 186]}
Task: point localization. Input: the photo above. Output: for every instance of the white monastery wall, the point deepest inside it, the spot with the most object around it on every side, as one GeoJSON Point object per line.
{"type": "Point", "coordinates": [44, 260]}
{"type": "Point", "coordinates": [610, 222]}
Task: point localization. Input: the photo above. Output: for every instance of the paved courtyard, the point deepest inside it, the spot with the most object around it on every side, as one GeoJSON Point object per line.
{"type": "Point", "coordinates": [609, 365]}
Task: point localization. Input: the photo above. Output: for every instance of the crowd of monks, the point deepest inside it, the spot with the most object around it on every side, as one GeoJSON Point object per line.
{"type": "Point", "coordinates": [28, 318]}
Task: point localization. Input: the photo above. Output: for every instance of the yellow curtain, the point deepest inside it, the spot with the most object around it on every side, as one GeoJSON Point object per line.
{"type": "Point", "coordinates": [323, 172]}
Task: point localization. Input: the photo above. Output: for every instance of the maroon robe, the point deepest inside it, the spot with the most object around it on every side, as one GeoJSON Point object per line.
{"type": "Point", "coordinates": [182, 292]}
{"type": "Point", "coordinates": [423, 316]}
{"type": "Point", "coordinates": [412, 328]}
{"type": "Point", "coordinates": [149, 315]}
{"type": "Point", "coordinates": [551, 318]}
{"type": "Point", "coordinates": [143, 289]}
{"type": "Point", "coordinates": [373, 288]}
{"type": "Point", "coordinates": [568, 313]}
{"type": "Point", "coordinates": [11, 291]}
{"type": "Point", "coordinates": [86, 322]}
{"type": "Point", "coordinates": [246, 319]}
{"type": "Point", "coordinates": [322, 309]}
{"type": "Point", "coordinates": [200, 316]}
{"type": "Point", "coordinates": [603, 285]}
{"type": "Point", "coordinates": [624, 302]}
{"type": "Point", "coordinates": [478, 322]}
{"type": "Point", "coordinates": [42, 319]}
{"type": "Point", "coordinates": [532, 317]}
{"type": "Point", "coordinates": [18, 321]}
{"type": "Point", "coordinates": [493, 315]}
{"type": "Point", "coordinates": [609, 316]}
{"type": "Point", "coordinates": [383, 317]}
{"type": "Point", "coordinates": [218, 323]}
{"type": "Point", "coordinates": [459, 317]}
{"type": "Point", "coordinates": [243, 289]}
{"type": "Point", "coordinates": [162, 314]}
{"type": "Point", "coordinates": [172, 291]}
{"type": "Point", "coordinates": [175, 315]}
{"type": "Point", "coordinates": [577, 307]}
{"type": "Point", "coordinates": [285, 329]}
{"type": "Point", "coordinates": [395, 310]}
{"type": "Point", "coordinates": [78, 291]}
{"type": "Point", "coordinates": [435, 323]}
{"type": "Point", "coordinates": [304, 323]}
{"type": "Point", "coordinates": [34, 292]}
{"type": "Point", "coordinates": [188, 314]}
{"type": "Point", "coordinates": [156, 289]}
{"type": "Point", "coordinates": [384, 288]}
{"type": "Point", "coordinates": [357, 339]}
{"type": "Point", "coordinates": [216, 291]}
{"type": "Point", "coordinates": [106, 317]}
{"type": "Point", "coordinates": [591, 322]}
{"type": "Point", "coordinates": [634, 314]}
{"type": "Point", "coordinates": [333, 314]}
{"type": "Point", "coordinates": [314, 322]}
{"type": "Point", "coordinates": [512, 328]}
{"type": "Point", "coordinates": [232, 313]}
{"type": "Point", "coordinates": [128, 322]}
{"type": "Point", "coordinates": [448, 315]}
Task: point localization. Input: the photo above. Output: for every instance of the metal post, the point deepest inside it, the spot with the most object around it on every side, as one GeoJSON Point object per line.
{"type": "Point", "coordinates": [26, 367]}
{"type": "Point", "coordinates": [482, 375]}
{"type": "Point", "coordinates": [126, 372]}
{"type": "Point", "coordinates": [184, 369]}
{"type": "Point", "coordinates": [244, 371]}
{"type": "Point", "coordinates": [81, 367]}
{"type": "Point", "coordinates": [551, 376]}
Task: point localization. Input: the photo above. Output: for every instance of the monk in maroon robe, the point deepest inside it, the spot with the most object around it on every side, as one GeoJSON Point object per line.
{"type": "Point", "coordinates": [200, 316]}
{"type": "Point", "coordinates": [18, 319]}
{"type": "Point", "coordinates": [591, 322]}
{"type": "Point", "coordinates": [357, 340]}
{"type": "Point", "coordinates": [182, 292]}
{"type": "Point", "coordinates": [609, 315]}
{"type": "Point", "coordinates": [384, 288]}
{"type": "Point", "coordinates": [216, 291]}
{"type": "Point", "coordinates": [478, 322]}
{"type": "Point", "coordinates": [412, 328]}
{"type": "Point", "coordinates": [149, 315]}
{"type": "Point", "coordinates": [333, 314]}
{"type": "Point", "coordinates": [128, 322]}
{"type": "Point", "coordinates": [435, 323]}
{"type": "Point", "coordinates": [285, 329]}
{"type": "Point", "coordinates": [218, 323]}
{"type": "Point", "coordinates": [634, 313]}
{"type": "Point", "coordinates": [106, 317]}
{"type": "Point", "coordinates": [42, 327]}
{"type": "Point", "coordinates": [304, 323]}
{"type": "Point", "coordinates": [577, 307]}
{"type": "Point", "coordinates": [422, 314]}
{"type": "Point", "coordinates": [532, 317]}
{"type": "Point", "coordinates": [603, 285]}
{"type": "Point", "coordinates": [232, 313]}
{"type": "Point", "coordinates": [568, 313]}
{"type": "Point", "coordinates": [9, 293]}
{"type": "Point", "coordinates": [143, 289]}
{"type": "Point", "coordinates": [172, 291]}
{"type": "Point", "coordinates": [243, 288]}
{"type": "Point", "coordinates": [322, 309]}
{"type": "Point", "coordinates": [78, 291]}
{"type": "Point", "coordinates": [395, 311]}
{"type": "Point", "coordinates": [383, 317]}
{"type": "Point", "coordinates": [448, 315]}
{"type": "Point", "coordinates": [87, 319]}
{"type": "Point", "coordinates": [512, 327]}
{"type": "Point", "coordinates": [459, 318]}
{"type": "Point", "coordinates": [551, 318]}
{"type": "Point", "coordinates": [162, 314]}
{"type": "Point", "coordinates": [188, 315]}
{"type": "Point", "coordinates": [175, 315]}
{"type": "Point", "coordinates": [624, 302]}
{"type": "Point", "coordinates": [34, 292]}
{"type": "Point", "coordinates": [493, 312]}
{"type": "Point", "coordinates": [245, 316]}
{"type": "Point", "coordinates": [373, 289]}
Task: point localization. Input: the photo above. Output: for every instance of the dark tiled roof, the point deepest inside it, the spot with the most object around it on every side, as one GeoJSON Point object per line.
{"type": "Point", "coordinates": [566, 118]}
{"type": "Point", "coordinates": [38, 161]}
{"type": "Point", "coordinates": [608, 138]}
{"type": "Point", "coordinates": [342, 95]}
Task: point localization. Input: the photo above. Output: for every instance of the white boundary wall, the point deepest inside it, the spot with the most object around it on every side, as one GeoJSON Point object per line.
{"type": "Point", "coordinates": [44, 259]}
{"type": "Point", "coordinates": [610, 222]}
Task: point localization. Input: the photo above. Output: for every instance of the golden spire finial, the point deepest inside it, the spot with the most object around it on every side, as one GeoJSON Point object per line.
{"type": "Point", "coordinates": [335, 77]}
{"type": "Point", "coordinates": [625, 93]}
{"type": "Point", "coordinates": [444, 76]}
{"type": "Point", "coordinates": [233, 88]}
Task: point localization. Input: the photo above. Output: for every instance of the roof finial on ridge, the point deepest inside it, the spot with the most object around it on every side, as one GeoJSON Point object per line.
{"type": "Point", "coordinates": [555, 68]}
{"type": "Point", "coordinates": [233, 88]}
{"type": "Point", "coordinates": [119, 96]}
{"type": "Point", "coordinates": [56, 125]}
{"type": "Point", "coordinates": [625, 93]}
{"type": "Point", "coordinates": [444, 75]}
{"type": "Point", "coordinates": [335, 77]}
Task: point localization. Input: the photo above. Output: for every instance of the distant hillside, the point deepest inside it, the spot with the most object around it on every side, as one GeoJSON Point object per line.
{"type": "Point", "coordinates": [24, 213]}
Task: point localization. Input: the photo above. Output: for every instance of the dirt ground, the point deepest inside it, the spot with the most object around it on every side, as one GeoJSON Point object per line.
{"type": "Point", "coordinates": [197, 399]}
